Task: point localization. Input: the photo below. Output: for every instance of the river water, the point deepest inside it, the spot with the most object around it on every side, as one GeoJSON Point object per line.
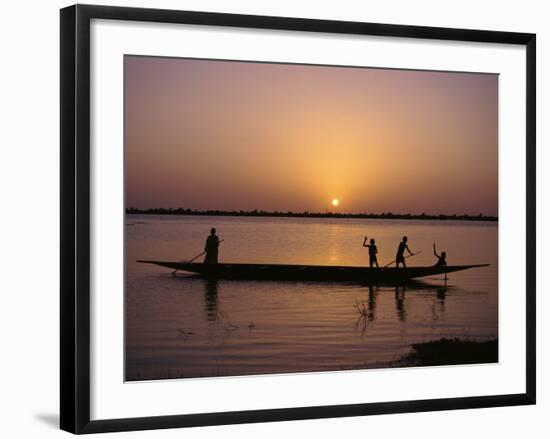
{"type": "Point", "coordinates": [184, 326]}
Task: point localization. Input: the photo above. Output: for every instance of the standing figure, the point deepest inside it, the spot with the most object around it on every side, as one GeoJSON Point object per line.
{"type": "Point", "coordinates": [211, 248]}
{"type": "Point", "coordinates": [400, 257]}
{"type": "Point", "coordinates": [373, 251]}
{"type": "Point", "coordinates": [441, 259]}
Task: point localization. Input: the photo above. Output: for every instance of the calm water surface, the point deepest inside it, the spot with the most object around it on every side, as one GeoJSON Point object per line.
{"type": "Point", "coordinates": [184, 326]}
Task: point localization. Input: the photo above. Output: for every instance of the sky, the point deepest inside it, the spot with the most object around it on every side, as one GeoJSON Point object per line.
{"type": "Point", "coordinates": [229, 135]}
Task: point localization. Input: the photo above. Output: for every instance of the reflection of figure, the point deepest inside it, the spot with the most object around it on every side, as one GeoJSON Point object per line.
{"type": "Point", "coordinates": [371, 314]}
{"type": "Point", "coordinates": [441, 259]}
{"type": "Point", "coordinates": [211, 299]}
{"type": "Point", "coordinates": [441, 294]}
{"type": "Point", "coordinates": [367, 312]}
{"type": "Point", "coordinates": [400, 257]}
{"type": "Point", "coordinates": [373, 250]}
{"type": "Point", "coordinates": [211, 248]}
{"type": "Point", "coordinates": [400, 302]}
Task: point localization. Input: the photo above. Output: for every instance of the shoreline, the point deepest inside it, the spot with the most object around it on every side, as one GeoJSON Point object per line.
{"type": "Point", "coordinates": [329, 215]}
{"type": "Point", "coordinates": [448, 352]}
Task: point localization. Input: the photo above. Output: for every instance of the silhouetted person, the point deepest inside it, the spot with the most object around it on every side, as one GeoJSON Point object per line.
{"type": "Point", "coordinates": [373, 251]}
{"type": "Point", "coordinates": [211, 248]}
{"type": "Point", "coordinates": [400, 256]}
{"type": "Point", "coordinates": [441, 259]}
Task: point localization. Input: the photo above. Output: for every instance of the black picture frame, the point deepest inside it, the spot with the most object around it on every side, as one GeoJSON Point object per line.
{"type": "Point", "coordinates": [75, 217]}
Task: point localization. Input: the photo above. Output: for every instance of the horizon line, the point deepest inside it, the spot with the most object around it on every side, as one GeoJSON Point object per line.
{"type": "Point", "coordinates": [305, 214]}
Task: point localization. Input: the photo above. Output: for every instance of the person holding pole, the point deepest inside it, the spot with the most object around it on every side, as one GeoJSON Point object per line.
{"type": "Point", "coordinates": [211, 247]}
{"type": "Point", "coordinates": [400, 256]}
{"type": "Point", "coordinates": [441, 258]}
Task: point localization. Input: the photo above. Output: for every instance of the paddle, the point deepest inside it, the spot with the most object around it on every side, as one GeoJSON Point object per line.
{"type": "Point", "coordinates": [392, 262]}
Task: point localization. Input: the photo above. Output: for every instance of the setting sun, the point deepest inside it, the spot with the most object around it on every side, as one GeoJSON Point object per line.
{"type": "Point", "coordinates": [335, 202]}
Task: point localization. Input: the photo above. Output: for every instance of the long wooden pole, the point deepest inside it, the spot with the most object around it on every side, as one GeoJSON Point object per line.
{"type": "Point", "coordinates": [392, 262]}
{"type": "Point", "coordinates": [191, 260]}
{"type": "Point", "coordinates": [198, 256]}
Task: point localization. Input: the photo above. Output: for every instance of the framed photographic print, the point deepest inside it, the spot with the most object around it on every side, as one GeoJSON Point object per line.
{"type": "Point", "coordinates": [279, 211]}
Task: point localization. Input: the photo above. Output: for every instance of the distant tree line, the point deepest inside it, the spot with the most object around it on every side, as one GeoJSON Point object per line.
{"type": "Point", "coordinates": [307, 214]}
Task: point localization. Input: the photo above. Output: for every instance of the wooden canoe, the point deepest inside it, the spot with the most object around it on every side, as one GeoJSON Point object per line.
{"type": "Point", "coordinates": [309, 272]}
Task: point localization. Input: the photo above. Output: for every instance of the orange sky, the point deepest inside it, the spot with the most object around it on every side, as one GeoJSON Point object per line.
{"type": "Point", "coordinates": [231, 135]}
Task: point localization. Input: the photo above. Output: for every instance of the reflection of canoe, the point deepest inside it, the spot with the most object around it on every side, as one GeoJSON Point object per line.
{"type": "Point", "coordinates": [309, 272]}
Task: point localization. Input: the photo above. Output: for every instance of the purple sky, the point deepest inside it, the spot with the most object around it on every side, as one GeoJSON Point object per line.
{"type": "Point", "coordinates": [232, 135]}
